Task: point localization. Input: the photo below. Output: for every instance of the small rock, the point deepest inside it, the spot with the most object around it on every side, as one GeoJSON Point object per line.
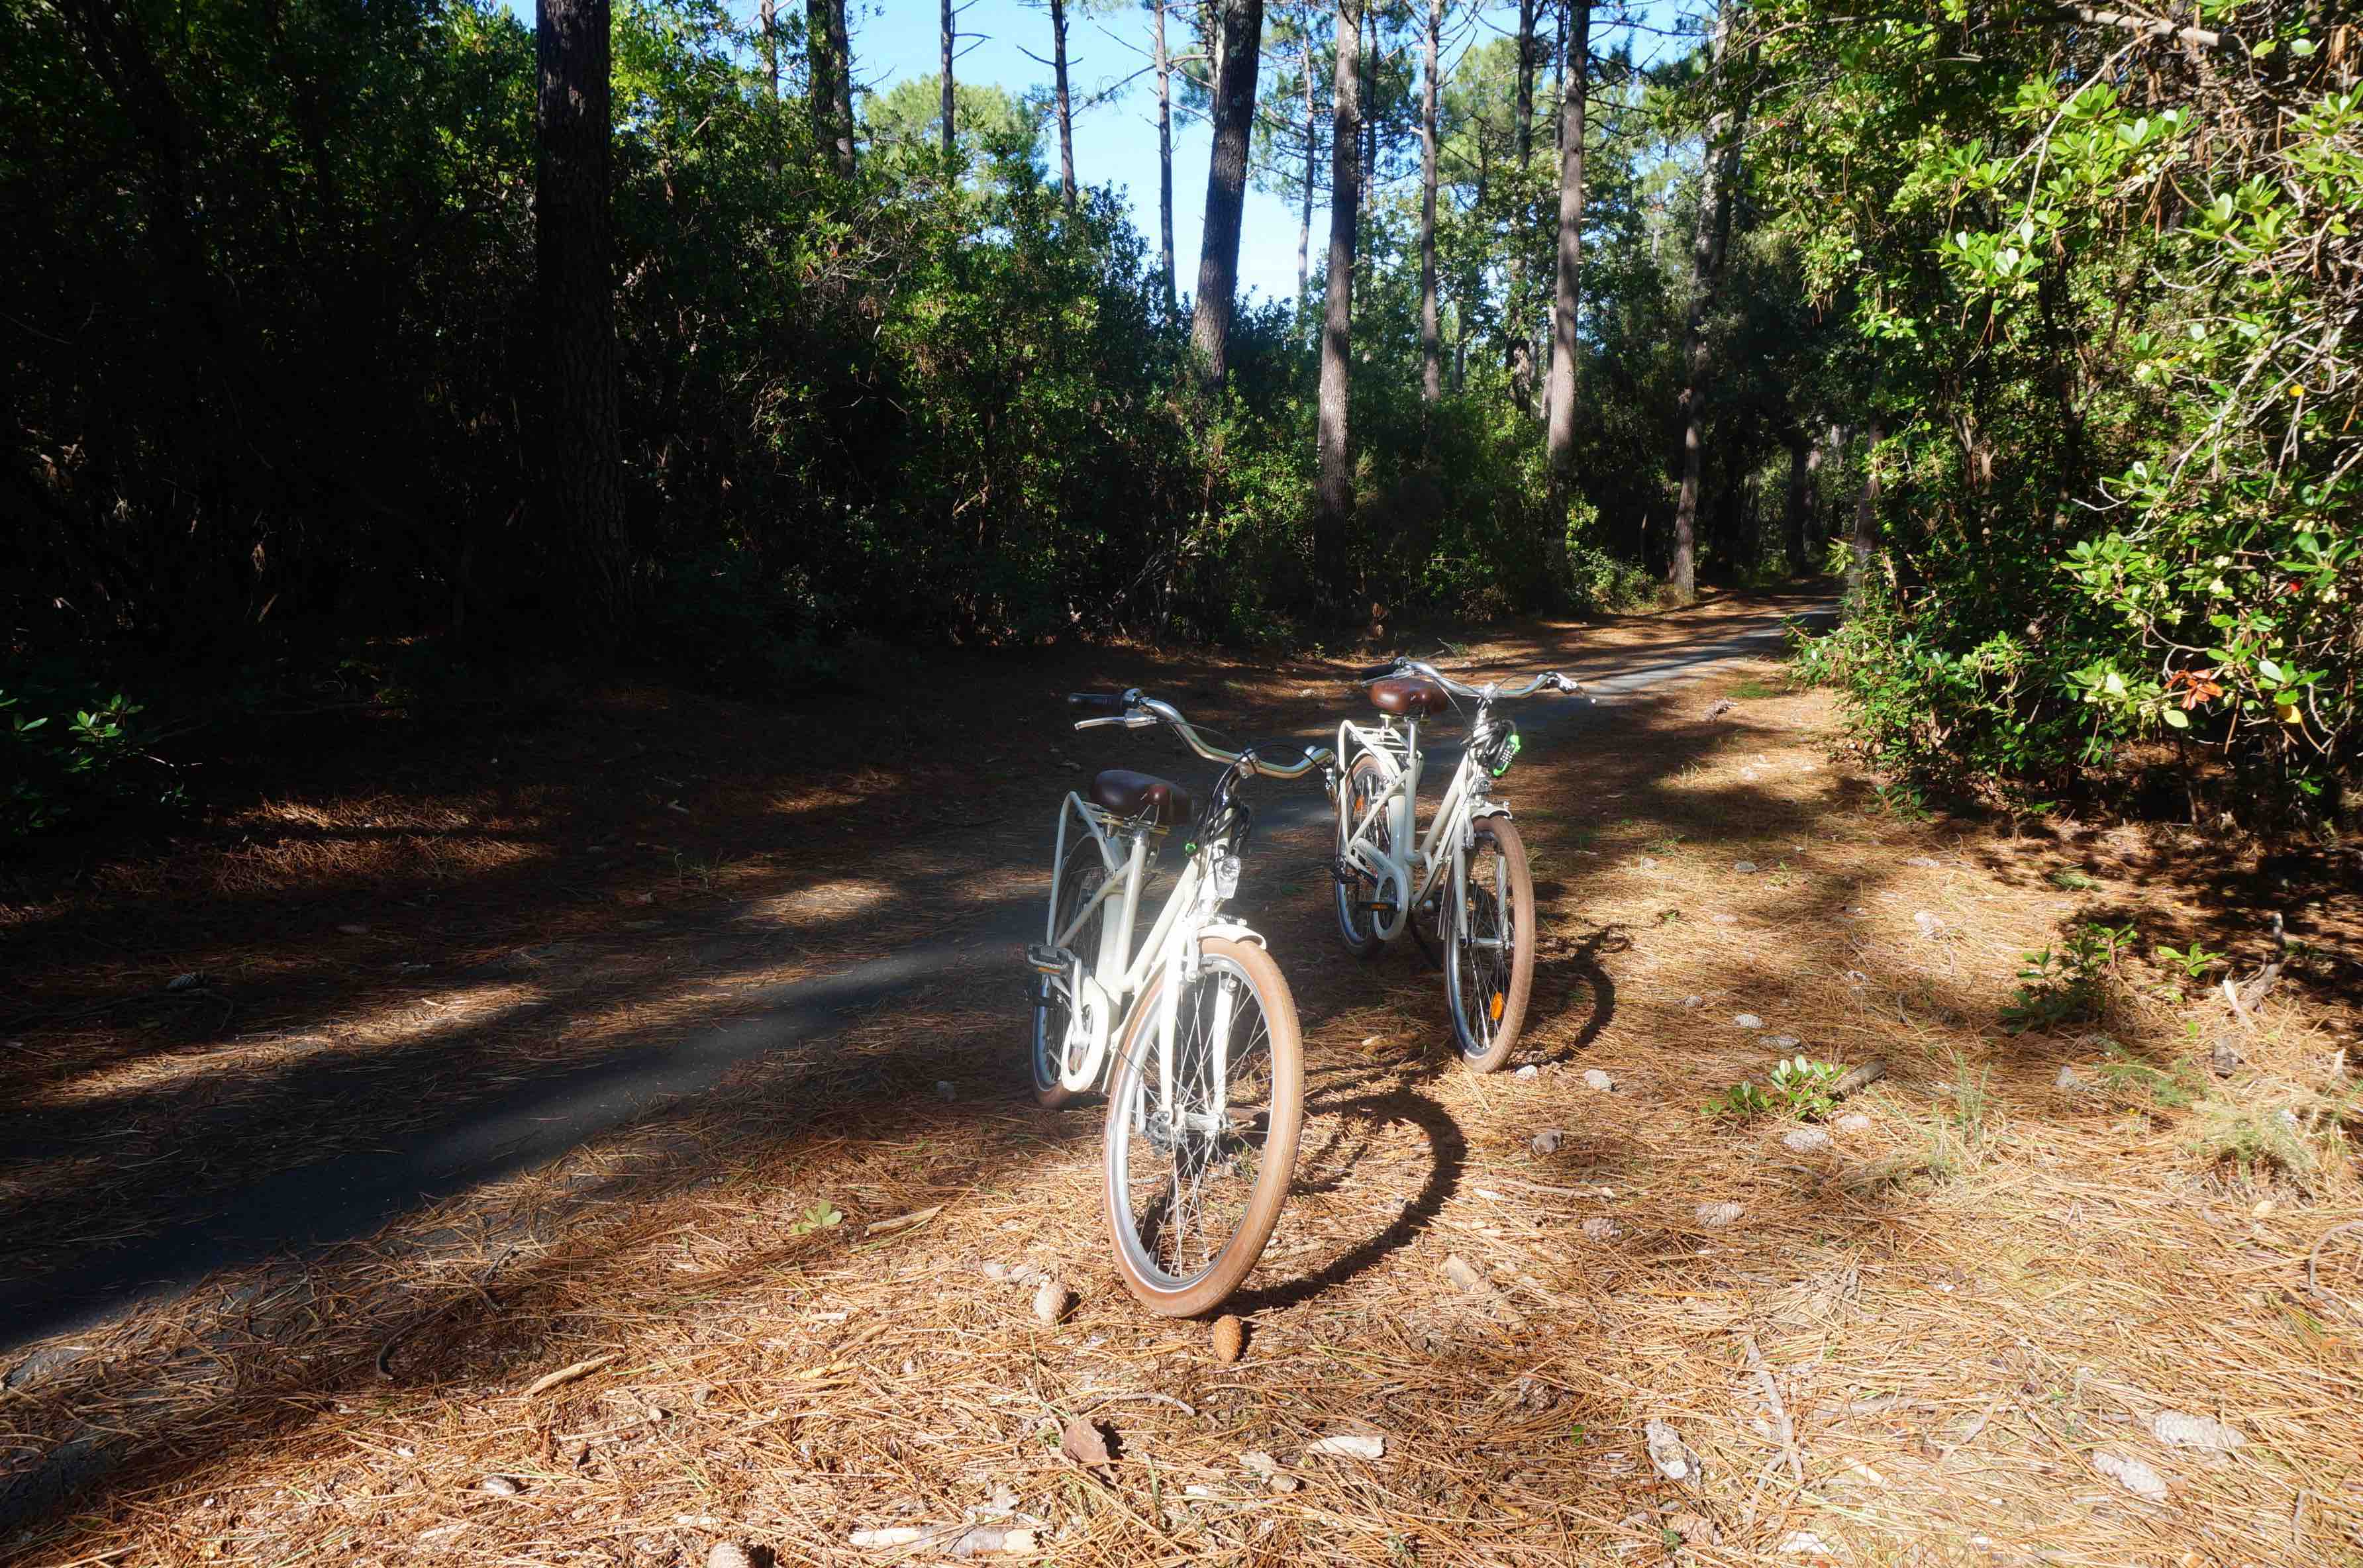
{"type": "Point", "coordinates": [1721, 706]}
{"type": "Point", "coordinates": [1748, 1020]}
{"type": "Point", "coordinates": [1463, 1274]}
{"type": "Point", "coordinates": [1529, 1071]}
{"type": "Point", "coordinates": [1853, 1121]}
{"type": "Point", "coordinates": [1353, 1445]}
{"type": "Point", "coordinates": [728, 1554]}
{"type": "Point", "coordinates": [1718, 1214]}
{"type": "Point", "coordinates": [2225, 1059]}
{"type": "Point", "coordinates": [1647, 862]}
{"type": "Point", "coordinates": [1052, 1301]}
{"type": "Point", "coordinates": [2069, 1080]}
{"type": "Point", "coordinates": [2132, 1475]}
{"type": "Point", "coordinates": [1930, 926]}
{"type": "Point", "coordinates": [1600, 1228]}
{"type": "Point", "coordinates": [1547, 1141]}
{"type": "Point", "coordinates": [1744, 867]}
{"type": "Point", "coordinates": [354, 930]}
{"type": "Point", "coordinates": [1674, 1461]}
{"type": "Point", "coordinates": [1230, 1337]}
{"type": "Point", "coordinates": [1694, 1001]}
{"type": "Point", "coordinates": [1258, 1463]}
{"type": "Point", "coordinates": [1596, 1079]}
{"type": "Point", "coordinates": [500, 1486]}
{"type": "Point", "coordinates": [2177, 1429]}
{"type": "Point", "coordinates": [1857, 977]}
{"type": "Point", "coordinates": [944, 1089]}
{"type": "Point", "coordinates": [1922, 861]}
{"type": "Point", "coordinates": [1804, 1140]}
{"type": "Point", "coordinates": [1086, 1442]}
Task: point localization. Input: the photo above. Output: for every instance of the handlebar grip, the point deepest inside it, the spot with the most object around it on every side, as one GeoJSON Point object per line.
{"type": "Point", "coordinates": [1105, 701]}
{"type": "Point", "coordinates": [1375, 670]}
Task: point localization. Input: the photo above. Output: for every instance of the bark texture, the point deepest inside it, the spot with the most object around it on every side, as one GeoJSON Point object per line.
{"type": "Point", "coordinates": [1337, 454]}
{"type": "Point", "coordinates": [1866, 514]}
{"type": "Point", "coordinates": [1066, 113]}
{"type": "Point", "coordinates": [1566, 294]}
{"type": "Point", "coordinates": [1712, 236]}
{"type": "Point", "coordinates": [829, 84]}
{"type": "Point", "coordinates": [581, 489]}
{"type": "Point", "coordinates": [1227, 186]}
{"type": "Point", "coordinates": [1431, 342]}
{"type": "Point", "coordinates": [950, 106]}
{"type": "Point", "coordinates": [1164, 154]}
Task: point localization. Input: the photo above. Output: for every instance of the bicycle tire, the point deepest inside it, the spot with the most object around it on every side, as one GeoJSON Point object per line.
{"type": "Point", "coordinates": [1501, 988]}
{"type": "Point", "coordinates": [1190, 1288]}
{"type": "Point", "coordinates": [1077, 883]}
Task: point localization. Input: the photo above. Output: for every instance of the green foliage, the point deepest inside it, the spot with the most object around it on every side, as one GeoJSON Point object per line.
{"type": "Point", "coordinates": [821, 1216]}
{"type": "Point", "coordinates": [2067, 985]}
{"type": "Point", "coordinates": [2194, 960]}
{"type": "Point", "coordinates": [71, 756]}
{"type": "Point", "coordinates": [2097, 283]}
{"type": "Point", "coordinates": [1800, 1087]}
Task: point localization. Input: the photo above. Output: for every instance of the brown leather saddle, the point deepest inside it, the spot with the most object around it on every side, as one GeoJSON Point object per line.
{"type": "Point", "coordinates": [1129, 794]}
{"type": "Point", "coordinates": [1409, 697]}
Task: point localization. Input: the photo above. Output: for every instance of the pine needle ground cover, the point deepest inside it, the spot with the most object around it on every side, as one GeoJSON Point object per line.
{"type": "Point", "coordinates": [2076, 1277]}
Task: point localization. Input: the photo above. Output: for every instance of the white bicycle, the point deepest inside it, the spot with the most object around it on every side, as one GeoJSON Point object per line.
{"type": "Point", "coordinates": [1467, 874]}
{"type": "Point", "coordinates": [1195, 1035]}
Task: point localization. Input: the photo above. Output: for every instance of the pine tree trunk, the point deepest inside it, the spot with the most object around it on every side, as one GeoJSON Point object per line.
{"type": "Point", "coordinates": [1866, 515]}
{"type": "Point", "coordinates": [581, 488]}
{"type": "Point", "coordinates": [829, 87]}
{"type": "Point", "coordinates": [1717, 177]}
{"type": "Point", "coordinates": [1227, 184]}
{"type": "Point", "coordinates": [1522, 147]}
{"type": "Point", "coordinates": [1431, 343]}
{"type": "Point", "coordinates": [1801, 469]}
{"type": "Point", "coordinates": [1066, 114]}
{"type": "Point", "coordinates": [1164, 156]}
{"type": "Point", "coordinates": [1312, 142]}
{"type": "Point", "coordinates": [768, 18]}
{"type": "Point", "coordinates": [950, 106]}
{"type": "Point", "coordinates": [1567, 299]}
{"type": "Point", "coordinates": [1336, 511]}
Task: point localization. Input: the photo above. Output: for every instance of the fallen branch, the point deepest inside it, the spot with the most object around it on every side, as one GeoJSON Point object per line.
{"type": "Point", "coordinates": [1781, 1425]}
{"type": "Point", "coordinates": [550, 1380]}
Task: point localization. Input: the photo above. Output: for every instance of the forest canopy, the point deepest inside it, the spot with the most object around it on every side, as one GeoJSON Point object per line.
{"type": "Point", "coordinates": [348, 343]}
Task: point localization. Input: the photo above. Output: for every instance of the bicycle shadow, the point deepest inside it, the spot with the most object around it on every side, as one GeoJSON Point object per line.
{"type": "Point", "coordinates": [1568, 974]}
{"type": "Point", "coordinates": [1352, 1142]}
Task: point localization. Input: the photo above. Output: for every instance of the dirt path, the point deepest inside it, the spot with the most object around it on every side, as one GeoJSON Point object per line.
{"type": "Point", "coordinates": [592, 1126]}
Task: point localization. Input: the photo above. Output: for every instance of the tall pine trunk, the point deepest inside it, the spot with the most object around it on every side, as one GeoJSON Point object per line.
{"type": "Point", "coordinates": [767, 15]}
{"type": "Point", "coordinates": [829, 87]}
{"type": "Point", "coordinates": [1718, 174]}
{"type": "Point", "coordinates": [1227, 186]}
{"type": "Point", "coordinates": [1567, 295]}
{"type": "Point", "coordinates": [1802, 457]}
{"type": "Point", "coordinates": [1522, 147]}
{"type": "Point", "coordinates": [1164, 156]}
{"type": "Point", "coordinates": [1312, 145]}
{"type": "Point", "coordinates": [581, 488]}
{"type": "Point", "coordinates": [1066, 115]}
{"type": "Point", "coordinates": [1866, 515]}
{"type": "Point", "coordinates": [1336, 513]}
{"type": "Point", "coordinates": [1431, 342]}
{"type": "Point", "coordinates": [950, 106]}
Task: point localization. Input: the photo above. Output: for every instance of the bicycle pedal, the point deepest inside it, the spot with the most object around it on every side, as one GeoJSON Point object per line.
{"type": "Point", "coordinates": [1048, 960]}
{"type": "Point", "coordinates": [1377, 907]}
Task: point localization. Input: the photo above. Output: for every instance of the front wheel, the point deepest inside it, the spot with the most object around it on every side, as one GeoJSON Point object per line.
{"type": "Point", "coordinates": [1195, 1182]}
{"type": "Point", "coordinates": [1489, 945]}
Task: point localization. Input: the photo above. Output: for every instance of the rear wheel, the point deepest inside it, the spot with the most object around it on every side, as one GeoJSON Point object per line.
{"type": "Point", "coordinates": [1364, 782]}
{"type": "Point", "coordinates": [1489, 945]}
{"type": "Point", "coordinates": [1193, 1195]}
{"type": "Point", "coordinates": [1078, 882]}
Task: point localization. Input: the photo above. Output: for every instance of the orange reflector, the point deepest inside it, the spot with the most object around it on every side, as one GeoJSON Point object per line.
{"type": "Point", "coordinates": [1498, 1000]}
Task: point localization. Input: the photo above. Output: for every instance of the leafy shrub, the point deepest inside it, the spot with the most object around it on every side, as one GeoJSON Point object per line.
{"type": "Point", "coordinates": [71, 755]}
{"type": "Point", "coordinates": [2066, 985]}
{"type": "Point", "coordinates": [1800, 1087]}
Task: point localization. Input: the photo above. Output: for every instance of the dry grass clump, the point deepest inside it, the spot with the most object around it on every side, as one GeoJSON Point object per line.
{"type": "Point", "coordinates": [794, 1314]}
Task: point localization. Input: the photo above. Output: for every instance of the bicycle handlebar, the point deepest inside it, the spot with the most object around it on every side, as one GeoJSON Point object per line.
{"type": "Point", "coordinates": [1138, 712]}
{"type": "Point", "coordinates": [1492, 691]}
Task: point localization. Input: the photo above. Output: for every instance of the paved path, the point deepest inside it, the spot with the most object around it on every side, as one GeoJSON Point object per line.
{"type": "Point", "coordinates": [531, 1121]}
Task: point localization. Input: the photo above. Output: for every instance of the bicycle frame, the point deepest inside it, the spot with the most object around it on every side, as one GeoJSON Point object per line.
{"type": "Point", "coordinates": [1100, 1003]}
{"type": "Point", "coordinates": [1468, 798]}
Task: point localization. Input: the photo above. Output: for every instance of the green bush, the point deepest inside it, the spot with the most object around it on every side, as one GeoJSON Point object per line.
{"type": "Point", "coordinates": [71, 755]}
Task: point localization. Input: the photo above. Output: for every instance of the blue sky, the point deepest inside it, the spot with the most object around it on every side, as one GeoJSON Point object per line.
{"type": "Point", "coordinates": [1115, 140]}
